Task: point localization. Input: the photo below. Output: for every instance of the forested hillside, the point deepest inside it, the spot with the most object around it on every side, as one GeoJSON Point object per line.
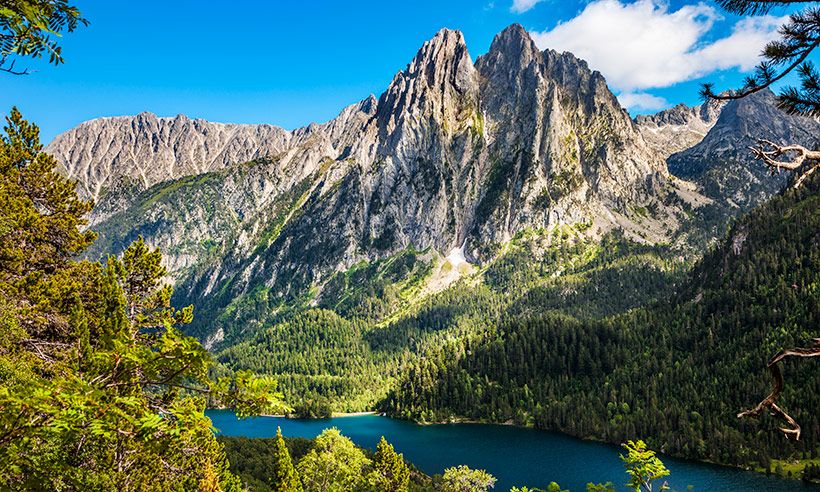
{"type": "Point", "coordinates": [676, 373]}
{"type": "Point", "coordinates": [346, 356]}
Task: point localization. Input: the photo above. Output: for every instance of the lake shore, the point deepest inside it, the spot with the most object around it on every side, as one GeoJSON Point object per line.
{"type": "Point", "coordinates": [514, 454]}
{"type": "Point", "coordinates": [333, 415]}
{"type": "Point", "coordinates": [353, 414]}
{"type": "Point", "coordinates": [795, 467]}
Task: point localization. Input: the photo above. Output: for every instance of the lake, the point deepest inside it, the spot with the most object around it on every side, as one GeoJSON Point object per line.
{"type": "Point", "coordinates": [516, 456]}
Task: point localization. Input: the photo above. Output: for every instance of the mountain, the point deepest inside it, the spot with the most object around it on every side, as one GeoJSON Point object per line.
{"type": "Point", "coordinates": [454, 158]}
{"type": "Point", "coordinates": [675, 372]}
{"type": "Point", "coordinates": [722, 165]}
{"type": "Point", "coordinates": [448, 165]}
{"type": "Point", "coordinates": [492, 239]}
{"type": "Point", "coordinates": [679, 128]}
{"type": "Point", "coordinates": [114, 159]}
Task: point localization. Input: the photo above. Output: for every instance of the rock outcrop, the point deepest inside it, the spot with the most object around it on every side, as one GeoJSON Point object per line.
{"type": "Point", "coordinates": [679, 128]}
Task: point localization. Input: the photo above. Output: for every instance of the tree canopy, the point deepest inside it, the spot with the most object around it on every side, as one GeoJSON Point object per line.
{"type": "Point", "coordinates": [334, 464]}
{"type": "Point", "coordinates": [31, 28]}
{"type": "Point", "coordinates": [99, 388]}
{"type": "Point", "coordinates": [464, 479]}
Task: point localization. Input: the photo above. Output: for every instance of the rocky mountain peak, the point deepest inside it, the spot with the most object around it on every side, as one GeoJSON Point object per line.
{"type": "Point", "coordinates": [438, 87]}
{"type": "Point", "coordinates": [680, 127]}
{"type": "Point", "coordinates": [444, 58]}
{"type": "Point", "coordinates": [512, 50]}
{"type": "Point", "coordinates": [722, 164]}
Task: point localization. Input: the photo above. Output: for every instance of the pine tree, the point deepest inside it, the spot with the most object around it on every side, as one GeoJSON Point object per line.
{"type": "Point", "coordinates": [286, 478]}
{"type": "Point", "coordinates": [77, 337]}
{"type": "Point", "coordinates": [798, 38]}
{"type": "Point", "coordinates": [390, 472]}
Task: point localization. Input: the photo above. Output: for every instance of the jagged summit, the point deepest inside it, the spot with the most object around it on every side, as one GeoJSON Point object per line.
{"type": "Point", "coordinates": [453, 154]}
{"type": "Point", "coordinates": [680, 127]}
{"type": "Point", "coordinates": [439, 83]}
{"type": "Point", "coordinates": [143, 150]}
{"type": "Point", "coordinates": [514, 43]}
{"type": "Point", "coordinates": [447, 44]}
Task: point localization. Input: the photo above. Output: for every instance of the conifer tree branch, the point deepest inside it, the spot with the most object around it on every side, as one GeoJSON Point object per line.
{"type": "Point", "coordinates": [799, 37]}
{"type": "Point", "coordinates": [754, 7]}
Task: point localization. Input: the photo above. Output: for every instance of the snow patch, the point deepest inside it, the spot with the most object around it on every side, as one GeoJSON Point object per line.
{"type": "Point", "coordinates": [456, 257]}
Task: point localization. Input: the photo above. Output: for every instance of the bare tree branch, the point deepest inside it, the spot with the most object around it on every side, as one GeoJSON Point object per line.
{"type": "Point", "coordinates": [10, 69]}
{"type": "Point", "coordinates": [770, 153]}
{"type": "Point", "coordinates": [770, 402]}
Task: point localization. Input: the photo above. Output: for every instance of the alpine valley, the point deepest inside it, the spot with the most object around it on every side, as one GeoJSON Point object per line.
{"type": "Point", "coordinates": [492, 239]}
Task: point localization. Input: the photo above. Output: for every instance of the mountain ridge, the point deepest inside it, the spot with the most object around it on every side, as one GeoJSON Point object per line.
{"type": "Point", "coordinates": [679, 127]}
{"type": "Point", "coordinates": [455, 156]}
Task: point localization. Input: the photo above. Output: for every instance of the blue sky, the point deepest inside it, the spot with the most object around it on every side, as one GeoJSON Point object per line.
{"type": "Point", "coordinates": [292, 63]}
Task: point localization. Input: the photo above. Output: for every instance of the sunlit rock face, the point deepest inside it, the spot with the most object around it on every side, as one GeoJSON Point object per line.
{"type": "Point", "coordinates": [455, 155]}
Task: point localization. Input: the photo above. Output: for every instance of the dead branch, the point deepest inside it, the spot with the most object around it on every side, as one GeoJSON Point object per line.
{"type": "Point", "coordinates": [770, 402]}
{"type": "Point", "coordinates": [771, 153]}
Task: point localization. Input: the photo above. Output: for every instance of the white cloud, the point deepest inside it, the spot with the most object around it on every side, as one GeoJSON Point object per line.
{"type": "Point", "coordinates": [521, 6]}
{"type": "Point", "coordinates": [642, 101]}
{"type": "Point", "coordinates": [644, 45]}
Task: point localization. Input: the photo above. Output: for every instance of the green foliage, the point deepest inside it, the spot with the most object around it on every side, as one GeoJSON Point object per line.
{"type": "Point", "coordinates": [254, 459]}
{"type": "Point", "coordinates": [464, 479]}
{"type": "Point", "coordinates": [552, 487]}
{"type": "Point", "coordinates": [285, 479]}
{"type": "Point", "coordinates": [319, 357]}
{"type": "Point", "coordinates": [343, 358]}
{"type": "Point", "coordinates": [334, 464]}
{"type": "Point", "coordinates": [99, 388]}
{"type": "Point", "coordinates": [600, 487]}
{"type": "Point", "coordinates": [28, 29]}
{"type": "Point", "coordinates": [643, 467]}
{"type": "Point", "coordinates": [390, 472]}
{"type": "Point", "coordinates": [372, 291]}
{"type": "Point", "coordinates": [308, 407]}
{"type": "Point", "coordinates": [791, 52]}
{"type": "Point", "coordinates": [41, 215]}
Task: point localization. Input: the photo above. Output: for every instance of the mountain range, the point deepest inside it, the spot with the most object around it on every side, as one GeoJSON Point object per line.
{"type": "Point", "coordinates": [454, 160]}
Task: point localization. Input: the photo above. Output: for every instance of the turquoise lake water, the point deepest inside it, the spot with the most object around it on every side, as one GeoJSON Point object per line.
{"type": "Point", "coordinates": [516, 456]}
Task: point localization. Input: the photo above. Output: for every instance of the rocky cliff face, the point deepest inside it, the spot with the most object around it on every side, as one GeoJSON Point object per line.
{"type": "Point", "coordinates": [722, 165]}
{"type": "Point", "coordinates": [454, 156]}
{"type": "Point", "coordinates": [561, 147]}
{"type": "Point", "coordinates": [126, 155]}
{"type": "Point", "coordinates": [679, 128]}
